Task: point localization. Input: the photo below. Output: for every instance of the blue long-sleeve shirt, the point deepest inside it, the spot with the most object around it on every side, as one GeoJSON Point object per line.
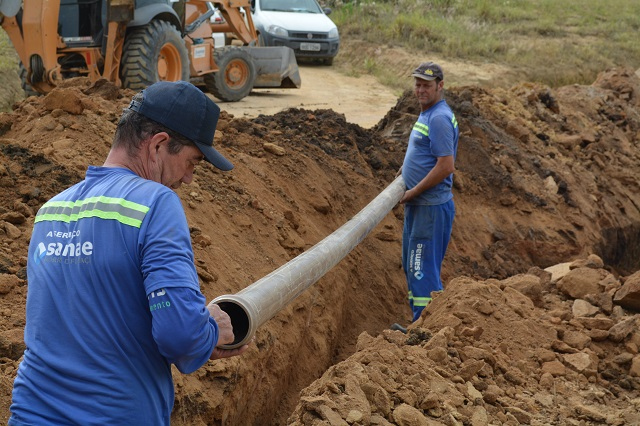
{"type": "Point", "coordinates": [113, 300]}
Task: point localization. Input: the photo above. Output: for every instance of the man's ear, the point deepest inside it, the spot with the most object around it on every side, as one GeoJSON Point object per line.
{"type": "Point", "coordinates": [156, 143]}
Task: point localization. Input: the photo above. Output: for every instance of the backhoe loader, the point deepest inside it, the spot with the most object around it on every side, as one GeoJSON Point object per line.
{"type": "Point", "coordinates": [134, 43]}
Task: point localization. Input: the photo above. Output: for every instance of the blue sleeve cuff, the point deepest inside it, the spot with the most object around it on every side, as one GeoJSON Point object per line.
{"type": "Point", "coordinates": [182, 328]}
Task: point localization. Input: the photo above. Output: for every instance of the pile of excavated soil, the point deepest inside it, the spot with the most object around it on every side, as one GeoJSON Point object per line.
{"type": "Point", "coordinates": [533, 349]}
{"type": "Point", "coordinates": [539, 320]}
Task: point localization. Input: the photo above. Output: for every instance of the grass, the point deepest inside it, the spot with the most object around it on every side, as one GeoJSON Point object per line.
{"type": "Point", "coordinates": [8, 56]}
{"type": "Point", "coordinates": [10, 89]}
{"type": "Point", "coordinates": [553, 42]}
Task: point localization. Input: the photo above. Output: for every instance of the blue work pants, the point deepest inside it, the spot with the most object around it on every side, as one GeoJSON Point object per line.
{"type": "Point", "coordinates": [425, 237]}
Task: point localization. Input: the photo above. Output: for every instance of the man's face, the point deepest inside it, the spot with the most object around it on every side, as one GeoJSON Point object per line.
{"type": "Point", "coordinates": [428, 92]}
{"type": "Point", "coordinates": [173, 170]}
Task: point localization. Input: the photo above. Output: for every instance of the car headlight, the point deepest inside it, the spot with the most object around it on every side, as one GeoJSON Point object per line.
{"type": "Point", "coordinates": [277, 31]}
{"type": "Point", "coordinates": [333, 33]}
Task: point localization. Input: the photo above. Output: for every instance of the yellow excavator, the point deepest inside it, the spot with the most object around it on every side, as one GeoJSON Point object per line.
{"type": "Point", "coordinates": [134, 43]}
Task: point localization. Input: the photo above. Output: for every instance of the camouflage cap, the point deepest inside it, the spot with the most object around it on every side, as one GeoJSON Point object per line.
{"type": "Point", "coordinates": [428, 71]}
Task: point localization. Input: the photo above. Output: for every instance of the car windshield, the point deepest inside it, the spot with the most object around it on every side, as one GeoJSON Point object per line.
{"type": "Point", "coordinates": [302, 6]}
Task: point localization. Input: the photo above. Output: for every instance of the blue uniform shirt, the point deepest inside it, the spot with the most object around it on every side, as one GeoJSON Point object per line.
{"type": "Point", "coordinates": [113, 300]}
{"type": "Point", "coordinates": [434, 135]}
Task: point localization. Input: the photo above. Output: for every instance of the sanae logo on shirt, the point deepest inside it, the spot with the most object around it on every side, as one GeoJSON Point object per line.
{"type": "Point", "coordinates": [57, 252]}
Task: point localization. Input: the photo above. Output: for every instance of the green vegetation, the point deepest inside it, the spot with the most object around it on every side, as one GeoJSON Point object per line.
{"type": "Point", "coordinates": [8, 57]}
{"type": "Point", "coordinates": [10, 89]}
{"type": "Point", "coordinates": [554, 42]}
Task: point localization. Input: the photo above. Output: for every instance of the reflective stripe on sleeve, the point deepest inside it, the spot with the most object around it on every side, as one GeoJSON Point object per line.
{"type": "Point", "coordinates": [421, 128]}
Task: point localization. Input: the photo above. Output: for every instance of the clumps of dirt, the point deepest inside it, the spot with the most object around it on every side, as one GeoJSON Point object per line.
{"type": "Point", "coordinates": [559, 166]}
{"type": "Point", "coordinates": [544, 176]}
{"type": "Point", "coordinates": [546, 347]}
{"type": "Point", "coordinates": [341, 141]}
{"type": "Point", "coordinates": [284, 195]}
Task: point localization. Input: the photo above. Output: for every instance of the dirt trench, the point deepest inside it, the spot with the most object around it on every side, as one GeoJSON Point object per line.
{"type": "Point", "coordinates": [543, 177]}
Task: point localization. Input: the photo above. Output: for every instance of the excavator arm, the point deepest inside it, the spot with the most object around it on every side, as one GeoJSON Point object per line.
{"type": "Point", "coordinates": [35, 39]}
{"type": "Point", "coordinates": [33, 30]}
{"type": "Point", "coordinates": [237, 15]}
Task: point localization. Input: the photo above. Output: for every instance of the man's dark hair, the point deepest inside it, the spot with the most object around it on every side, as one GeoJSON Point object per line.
{"type": "Point", "coordinates": [134, 127]}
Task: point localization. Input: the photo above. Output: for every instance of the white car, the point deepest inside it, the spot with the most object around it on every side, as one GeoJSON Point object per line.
{"type": "Point", "coordinates": [301, 25]}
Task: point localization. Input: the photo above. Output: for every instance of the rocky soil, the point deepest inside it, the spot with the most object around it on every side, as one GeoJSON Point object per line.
{"type": "Point", "coordinates": [539, 321]}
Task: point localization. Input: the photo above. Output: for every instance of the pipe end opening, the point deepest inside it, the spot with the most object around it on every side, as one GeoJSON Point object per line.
{"type": "Point", "coordinates": [239, 320]}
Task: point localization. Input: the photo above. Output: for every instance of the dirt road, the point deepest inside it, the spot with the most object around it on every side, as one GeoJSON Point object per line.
{"type": "Point", "coordinates": [362, 99]}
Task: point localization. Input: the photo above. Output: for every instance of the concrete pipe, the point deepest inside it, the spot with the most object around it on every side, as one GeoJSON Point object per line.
{"type": "Point", "coordinates": [259, 302]}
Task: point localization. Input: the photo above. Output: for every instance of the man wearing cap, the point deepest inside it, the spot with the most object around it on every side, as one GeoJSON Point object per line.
{"type": "Point", "coordinates": [113, 294]}
{"type": "Point", "coordinates": [428, 174]}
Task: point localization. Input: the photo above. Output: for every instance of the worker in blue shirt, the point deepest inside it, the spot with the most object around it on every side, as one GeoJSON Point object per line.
{"type": "Point", "coordinates": [427, 171]}
{"type": "Point", "coordinates": [113, 294]}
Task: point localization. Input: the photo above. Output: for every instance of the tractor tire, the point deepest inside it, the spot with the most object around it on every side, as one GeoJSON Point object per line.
{"type": "Point", "coordinates": [28, 90]}
{"type": "Point", "coordinates": [234, 80]}
{"type": "Point", "coordinates": [154, 52]}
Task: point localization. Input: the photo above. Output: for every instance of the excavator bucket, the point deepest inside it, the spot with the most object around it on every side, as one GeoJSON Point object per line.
{"type": "Point", "coordinates": [275, 67]}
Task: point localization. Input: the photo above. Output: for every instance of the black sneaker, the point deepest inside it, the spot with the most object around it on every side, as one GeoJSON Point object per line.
{"type": "Point", "coordinates": [398, 327]}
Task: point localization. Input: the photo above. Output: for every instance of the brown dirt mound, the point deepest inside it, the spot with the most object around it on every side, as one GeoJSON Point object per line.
{"type": "Point", "coordinates": [544, 177]}
{"type": "Point", "coordinates": [524, 350]}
